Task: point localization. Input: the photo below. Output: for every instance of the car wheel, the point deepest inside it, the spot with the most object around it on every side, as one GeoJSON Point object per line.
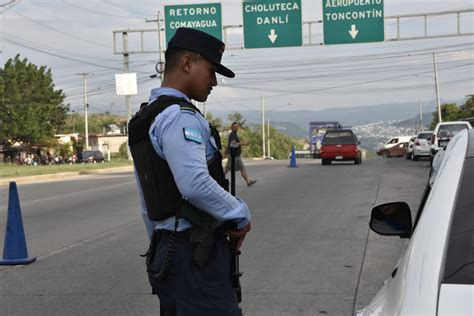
{"type": "Point", "coordinates": [324, 162]}
{"type": "Point", "coordinates": [358, 160]}
{"type": "Point", "coordinates": [386, 154]}
{"type": "Point", "coordinates": [414, 158]}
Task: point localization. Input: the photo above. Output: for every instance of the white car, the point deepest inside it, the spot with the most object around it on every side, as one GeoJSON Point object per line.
{"type": "Point", "coordinates": [443, 133]}
{"type": "Point", "coordinates": [435, 274]}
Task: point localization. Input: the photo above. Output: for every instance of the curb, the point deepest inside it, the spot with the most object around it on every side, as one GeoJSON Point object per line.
{"type": "Point", "coordinates": [57, 176]}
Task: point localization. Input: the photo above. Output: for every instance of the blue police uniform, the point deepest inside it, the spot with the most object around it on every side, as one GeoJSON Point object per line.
{"type": "Point", "coordinates": [183, 138]}
{"type": "Point", "coordinates": [187, 159]}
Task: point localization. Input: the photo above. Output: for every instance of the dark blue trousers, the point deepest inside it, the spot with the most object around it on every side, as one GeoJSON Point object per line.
{"type": "Point", "coordinates": [188, 290]}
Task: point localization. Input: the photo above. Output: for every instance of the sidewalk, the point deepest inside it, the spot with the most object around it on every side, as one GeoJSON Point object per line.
{"type": "Point", "coordinates": [62, 175]}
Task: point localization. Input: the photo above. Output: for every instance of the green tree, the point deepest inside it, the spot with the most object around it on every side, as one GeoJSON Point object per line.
{"type": "Point", "coordinates": [449, 112]}
{"type": "Point", "coordinates": [280, 144]}
{"type": "Point", "coordinates": [467, 109]}
{"type": "Point", "coordinates": [237, 117]}
{"type": "Point", "coordinates": [31, 109]}
{"type": "Point", "coordinates": [97, 122]}
{"type": "Point", "coordinates": [215, 121]}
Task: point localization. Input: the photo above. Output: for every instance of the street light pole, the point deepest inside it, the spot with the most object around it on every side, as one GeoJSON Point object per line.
{"type": "Point", "coordinates": [160, 66]}
{"type": "Point", "coordinates": [437, 89]}
{"type": "Point", "coordinates": [86, 106]}
{"type": "Point", "coordinates": [263, 125]}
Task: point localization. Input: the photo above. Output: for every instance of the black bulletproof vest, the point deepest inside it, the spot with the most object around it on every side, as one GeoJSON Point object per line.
{"type": "Point", "coordinates": [162, 197]}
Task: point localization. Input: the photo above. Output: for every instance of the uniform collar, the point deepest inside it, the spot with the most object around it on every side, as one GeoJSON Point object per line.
{"type": "Point", "coordinates": [157, 92]}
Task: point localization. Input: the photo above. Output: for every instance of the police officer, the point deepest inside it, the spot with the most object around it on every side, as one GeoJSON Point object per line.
{"type": "Point", "coordinates": [182, 184]}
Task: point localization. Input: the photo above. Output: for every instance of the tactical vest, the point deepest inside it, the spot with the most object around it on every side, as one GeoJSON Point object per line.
{"type": "Point", "coordinates": [162, 197]}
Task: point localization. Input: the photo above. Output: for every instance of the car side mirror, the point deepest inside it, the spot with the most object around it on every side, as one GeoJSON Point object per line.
{"type": "Point", "coordinates": [391, 219]}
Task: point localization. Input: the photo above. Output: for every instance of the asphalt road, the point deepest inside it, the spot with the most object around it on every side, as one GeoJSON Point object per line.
{"type": "Point", "coordinates": [310, 251]}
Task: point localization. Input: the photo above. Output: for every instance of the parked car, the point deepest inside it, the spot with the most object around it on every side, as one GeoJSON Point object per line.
{"type": "Point", "coordinates": [395, 146]}
{"type": "Point", "coordinates": [409, 148]}
{"type": "Point", "coordinates": [443, 133]}
{"type": "Point", "coordinates": [434, 275]}
{"type": "Point", "coordinates": [340, 145]}
{"type": "Point", "coordinates": [421, 146]}
{"type": "Point", "coordinates": [89, 156]}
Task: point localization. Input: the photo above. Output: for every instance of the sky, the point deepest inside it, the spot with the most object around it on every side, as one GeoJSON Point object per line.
{"type": "Point", "coordinates": [73, 37]}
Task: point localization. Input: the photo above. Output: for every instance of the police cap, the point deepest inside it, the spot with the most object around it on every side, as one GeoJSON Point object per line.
{"type": "Point", "coordinates": [203, 44]}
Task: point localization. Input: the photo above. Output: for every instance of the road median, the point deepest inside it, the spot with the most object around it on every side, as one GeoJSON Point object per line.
{"type": "Point", "coordinates": [61, 175]}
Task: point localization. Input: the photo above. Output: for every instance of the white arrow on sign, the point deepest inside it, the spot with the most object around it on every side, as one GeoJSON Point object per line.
{"type": "Point", "coordinates": [273, 36]}
{"type": "Point", "coordinates": [353, 31]}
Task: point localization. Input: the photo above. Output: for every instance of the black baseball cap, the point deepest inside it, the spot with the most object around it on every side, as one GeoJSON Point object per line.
{"type": "Point", "coordinates": [203, 44]}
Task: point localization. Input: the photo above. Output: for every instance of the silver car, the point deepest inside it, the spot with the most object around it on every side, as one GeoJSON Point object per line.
{"type": "Point", "coordinates": [422, 145]}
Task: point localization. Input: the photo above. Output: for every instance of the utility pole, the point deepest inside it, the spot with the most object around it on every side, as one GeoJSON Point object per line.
{"type": "Point", "coordinates": [160, 65]}
{"type": "Point", "coordinates": [73, 122]}
{"type": "Point", "coordinates": [263, 126]}
{"type": "Point", "coordinates": [268, 138]}
{"type": "Point", "coordinates": [421, 114]}
{"type": "Point", "coordinates": [86, 107]}
{"type": "Point", "coordinates": [126, 69]}
{"type": "Point", "coordinates": [437, 89]}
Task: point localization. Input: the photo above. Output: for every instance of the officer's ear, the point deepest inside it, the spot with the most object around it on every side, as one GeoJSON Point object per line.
{"type": "Point", "coordinates": [188, 61]}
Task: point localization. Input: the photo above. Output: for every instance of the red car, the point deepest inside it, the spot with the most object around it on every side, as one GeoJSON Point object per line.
{"type": "Point", "coordinates": [340, 145]}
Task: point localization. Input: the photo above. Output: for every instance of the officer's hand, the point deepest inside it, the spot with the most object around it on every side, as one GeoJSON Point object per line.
{"type": "Point", "coordinates": [239, 235]}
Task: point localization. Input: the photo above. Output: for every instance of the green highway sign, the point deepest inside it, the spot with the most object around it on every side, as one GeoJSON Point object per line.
{"type": "Point", "coordinates": [272, 23]}
{"type": "Point", "coordinates": [353, 21]}
{"type": "Point", "coordinates": [206, 17]}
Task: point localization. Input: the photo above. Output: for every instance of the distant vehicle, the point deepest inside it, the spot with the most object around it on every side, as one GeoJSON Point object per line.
{"type": "Point", "coordinates": [421, 147]}
{"type": "Point", "coordinates": [409, 148]}
{"type": "Point", "coordinates": [443, 133]}
{"type": "Point", "coordinates": [434, 274]}
{"type": "Point", "coordinates": [340, 145]}
{"type": "Point", "coordinates": [90, 156]}
{"type": "Point", "coordinates": [316, 135]}
{"type": "Point", "coordinates": [394, 147]}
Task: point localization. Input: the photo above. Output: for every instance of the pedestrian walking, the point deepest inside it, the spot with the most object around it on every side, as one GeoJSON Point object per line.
{"type": "Point", "coordinates": [186, 206]}
{"type": "Point", "coordinates": [234, 140]}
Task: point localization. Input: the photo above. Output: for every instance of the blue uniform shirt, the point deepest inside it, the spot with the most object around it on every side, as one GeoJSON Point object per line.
{"type": "Point", "coordinates": [183, 138]}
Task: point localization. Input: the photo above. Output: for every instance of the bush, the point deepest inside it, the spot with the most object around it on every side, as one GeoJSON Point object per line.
{"type": "Point", "coordinates": [123, 150]}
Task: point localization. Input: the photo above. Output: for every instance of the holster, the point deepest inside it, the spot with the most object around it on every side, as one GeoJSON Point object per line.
{"type": "Point", "coordinates": [202, 234]}
{"type": "Point", "coordinates": [150, 254]}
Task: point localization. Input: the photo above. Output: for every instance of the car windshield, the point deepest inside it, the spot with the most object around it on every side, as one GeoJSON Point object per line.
{"type": "Point", "coordinates": [339, 137]}
{"type": "Point", "coordinates": [426, 136]}
{"type": "Point", "coordinates": [450, 130]}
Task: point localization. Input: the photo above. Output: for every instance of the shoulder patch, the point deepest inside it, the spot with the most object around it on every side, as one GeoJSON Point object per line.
{"type": "Point", "coordinates": [192, 134]}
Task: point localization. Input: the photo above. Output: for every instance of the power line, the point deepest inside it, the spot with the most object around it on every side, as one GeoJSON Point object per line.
{"type": "Point", "coordinates": [59, 31]}
{"type": "Point", "coordinates": [98, 12]}
{"type": "Point", "coordinates": [41, 50]}
{"type": "Point", "coordinates": [125, 8]}
{"type": "Point", "coordinates": [334, 87]}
